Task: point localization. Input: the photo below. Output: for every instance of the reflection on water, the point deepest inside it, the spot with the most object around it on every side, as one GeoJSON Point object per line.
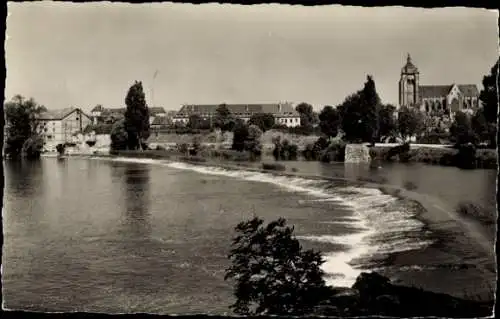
{"type": "Point", "coordinates": [137, 222]}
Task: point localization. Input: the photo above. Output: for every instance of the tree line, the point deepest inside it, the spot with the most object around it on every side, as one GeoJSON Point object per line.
{"type": "Point", "coordinates": [361, 117]}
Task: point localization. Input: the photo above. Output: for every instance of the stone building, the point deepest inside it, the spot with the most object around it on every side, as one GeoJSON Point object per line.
{"type": "Point", "coordinates": [60, 126]}
{"type": "Point", "coordinates": [435, 99]}
{"type": "Point", "coordinates": [283, 113]}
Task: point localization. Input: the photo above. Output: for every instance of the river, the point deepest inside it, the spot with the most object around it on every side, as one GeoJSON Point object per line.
{"type": "Point", "coordinates": [123, 235]}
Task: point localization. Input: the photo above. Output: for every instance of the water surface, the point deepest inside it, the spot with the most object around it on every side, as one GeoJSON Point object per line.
{"type": "Point", "coordinates": [124, 236]}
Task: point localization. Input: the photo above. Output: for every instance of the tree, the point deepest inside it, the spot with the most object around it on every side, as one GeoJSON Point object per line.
{"type": "Point", "coordinates": [240, 135]}
{"type": "Point", "coordinates": [136, 117]}
{"type": "Point", "coordinates": [489, 94]}
{"type": "Point", "coordinates": [329, 121]}
{"type": "Point", "coordinates": [194, 122]}
{"type": "Point", "coordinates": [410, 122]}
{"type": "Point", "coordinates": [485, 131]}
{"type": "Point", "coordinates": [386, 121]}
{"type": "Point", "coordinates": [265, 121]}
{"type": "Point", "coordinates": [273, 274]}
{"type": "Point", "coordinates": [252, 142]}
{"type": "Point", "coordinates": [307, 118]}
{"type": "Point", "coordinates": [223, 119]}
{"type": "Point", "coordinates": [21, 117]}
{"type": "Point", "coordinates": [370, 106]}
{"type": "Point", "coordinates": [119, 136]}
{"type": "Point", "coordinates": [358, 113]}
{"type": "Point", "coordinates": [461, 130]}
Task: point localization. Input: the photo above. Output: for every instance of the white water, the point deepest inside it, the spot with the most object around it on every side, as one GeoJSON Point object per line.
{"type": "Point", "coordinates": [376, 216]}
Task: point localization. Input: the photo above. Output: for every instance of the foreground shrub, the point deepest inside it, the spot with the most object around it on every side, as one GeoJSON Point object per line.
{"type": "Point", "coordinates": [274, 166]}
{"type": "Point", "coordinates": [273, 274]}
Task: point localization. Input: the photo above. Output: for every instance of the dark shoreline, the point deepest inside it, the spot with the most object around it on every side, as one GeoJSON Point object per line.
{"type": "Point", "coordinates": [444, 238]}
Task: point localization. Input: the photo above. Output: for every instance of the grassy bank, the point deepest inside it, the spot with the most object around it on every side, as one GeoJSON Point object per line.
{"type": "Point", "coordinates": [484, 158]}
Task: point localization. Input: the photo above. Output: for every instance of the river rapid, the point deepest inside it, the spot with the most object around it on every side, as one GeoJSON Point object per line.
{"type": "Point", "coordinates": [135, 235]}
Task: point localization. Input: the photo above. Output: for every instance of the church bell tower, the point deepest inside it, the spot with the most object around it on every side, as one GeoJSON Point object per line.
{"type": "Point", "coordinates": [408, 84]}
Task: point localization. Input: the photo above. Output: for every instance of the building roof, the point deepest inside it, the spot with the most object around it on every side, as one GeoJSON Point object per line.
{"type": "Point", "coordinates": [97, 108]}
{"type": "Point", "coordinates": [160, 120]}
{"type": "Point", "coordinates": [443, 90]}
{"type": "Point", "coordinates": [409, 66]}
{"type": "Point", "coordinates": [114, 111]}
{"type": "Point", "coordinates": [156, 110]}
{"type": "Point", "coordinates": [238, 109]}
{"type": "Point", "coordinates": [54, 115]}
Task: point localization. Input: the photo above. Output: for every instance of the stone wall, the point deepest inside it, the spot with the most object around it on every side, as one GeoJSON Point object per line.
{"type": "Point", "coordinates": [357, 153]}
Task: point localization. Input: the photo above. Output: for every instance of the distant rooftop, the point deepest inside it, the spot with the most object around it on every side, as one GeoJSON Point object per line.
{"type": "Point", "coordinates": [276, 109]}
{"type": "Point", "coordinates": [469, 90]}
{"type": "Point", "coordinates": [58, 114]}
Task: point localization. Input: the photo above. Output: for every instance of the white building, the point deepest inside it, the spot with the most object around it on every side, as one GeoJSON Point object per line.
{"type": "Point", "coordinates": [283, 113]}
{"type": "Point", "coordinates": [60, 126]}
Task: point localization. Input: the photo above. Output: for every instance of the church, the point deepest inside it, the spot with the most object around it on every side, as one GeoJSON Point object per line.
{"type": "Point", "coordinates": [435, 99]}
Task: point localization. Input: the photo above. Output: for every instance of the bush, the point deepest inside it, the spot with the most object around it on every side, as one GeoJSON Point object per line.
{"type": "Point", "coordinates": [273, 166]}
{"type": "Point", "coordinates": [284, 150]}
{"type": "Point", "coordinates": [334, 152]}
{"type": "Point", "coordinates": [183, 148]}
{"type": "Point", "coordinates": [466, 157]}
{"type": "Point", "coordinates": [402, 151]}
{"type": "Point", "coordinates": [273, 274]}
{"type": "Point", "coordinates": [119, 136]}
{"type": "Point", "coordinates": [229, 155]}
{"type": "Point", "coordinates": [60, 149]}
{"type": "Point", "coordinates": [486, 158]}
{"type": "Point", "coordinates": [32, 147]}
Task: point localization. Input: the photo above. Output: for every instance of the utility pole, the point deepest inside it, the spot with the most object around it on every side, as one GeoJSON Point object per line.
{"type": "Point", "coordinates": [153, 88]}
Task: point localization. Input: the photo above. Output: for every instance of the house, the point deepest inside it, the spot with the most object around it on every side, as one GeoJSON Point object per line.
{"type": "Point", "coordinates": [160, 122]}
{"type": "Point", "coordinates": [110, 115]}
{"type": "Point", "coordinates": [99, 114]}
{"type": "Point", "coordinates": [283, 113]}
{"type": "Point", "coordinates": [435, 99]}
{"type": "Point", "coordinates": [59, 126]}
{"type": "Point", "coordinates": [155, 112]}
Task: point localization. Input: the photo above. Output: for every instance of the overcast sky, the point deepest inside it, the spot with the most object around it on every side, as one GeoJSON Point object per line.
{"type": "Point", "coordinates": [65, 54]}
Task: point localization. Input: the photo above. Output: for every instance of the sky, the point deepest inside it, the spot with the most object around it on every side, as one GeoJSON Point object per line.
{"type": "Point", "coordinates": [81, 55]}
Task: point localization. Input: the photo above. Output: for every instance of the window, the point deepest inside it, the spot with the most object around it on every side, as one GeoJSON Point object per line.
{"type": "Point", "coordinates": [77, 118]}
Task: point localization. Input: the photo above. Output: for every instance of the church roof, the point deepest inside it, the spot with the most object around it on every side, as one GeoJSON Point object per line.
{"type": "Point", "coordinates": [443, 90]}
